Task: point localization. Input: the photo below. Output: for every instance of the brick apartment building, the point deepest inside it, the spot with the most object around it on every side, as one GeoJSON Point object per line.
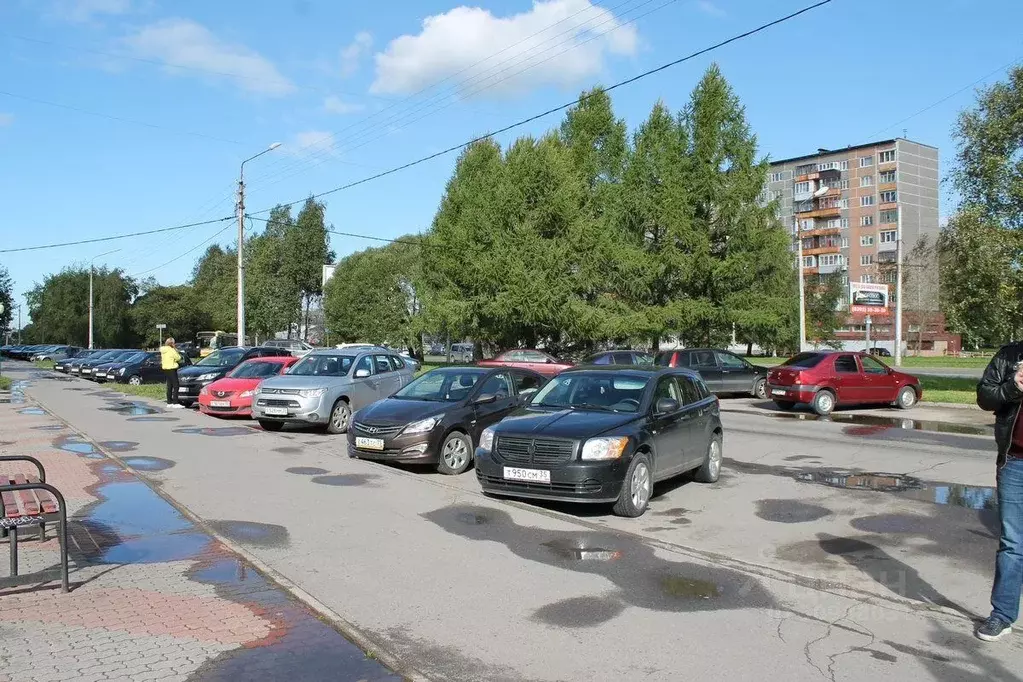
{"type": "Point", "coordinates": [846, 204]}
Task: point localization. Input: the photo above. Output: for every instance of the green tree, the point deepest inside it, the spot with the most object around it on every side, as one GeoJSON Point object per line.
{"type": "Point", "coordinates": [177, 307]}
{"type": "Point", "coordinates": [6, 299]}
{"type": "Point", "coordinates": [823, 314]}
{"type": "Point", "coordinates": [59, 307]}
{"type": "Point", "coordinates": [215, 279]}
{"type": "Point", "coordinates": [272, 298]}
{"type": "Point", "coordinates": [307, 250]}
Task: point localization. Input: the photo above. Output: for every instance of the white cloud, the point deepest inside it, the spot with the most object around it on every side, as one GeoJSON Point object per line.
{"type": "Point", "coordinates": [336, 105]}
{"type": "Point", "coordinates": [310, 142]}
{"type": "Point", "coordinates": [353, 53]}
{"type": "Point", "coordinates": [565, 41]}
{"type": "Point", "coordinates": [84, 11]}
{"type": "Point", "coordinates": [190, 46]}
{"type": "Point", "coordinates": [708, 7]}
{"type": "Point", "coordinates": [6, 119]}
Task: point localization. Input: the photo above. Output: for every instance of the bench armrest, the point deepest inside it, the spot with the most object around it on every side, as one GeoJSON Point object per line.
{"type": "Point", "coordinates": [26, 458]}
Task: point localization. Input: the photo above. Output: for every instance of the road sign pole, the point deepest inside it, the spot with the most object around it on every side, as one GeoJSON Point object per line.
{"type": "Point", "coordinates": [868, 321]}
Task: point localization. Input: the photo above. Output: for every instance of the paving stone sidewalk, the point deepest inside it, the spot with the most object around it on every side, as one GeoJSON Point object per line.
{"type": "Point", "coordinates": [153, 596]}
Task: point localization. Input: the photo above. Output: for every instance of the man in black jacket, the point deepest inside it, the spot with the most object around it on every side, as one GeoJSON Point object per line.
{"type": "Point", "coordinates": [1001, 391]}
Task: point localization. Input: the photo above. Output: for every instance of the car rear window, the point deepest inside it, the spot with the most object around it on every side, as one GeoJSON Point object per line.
{"type": "Point", "coordinates": [804, 360]}
{"type": "Point", "coordinates": [663, 358]}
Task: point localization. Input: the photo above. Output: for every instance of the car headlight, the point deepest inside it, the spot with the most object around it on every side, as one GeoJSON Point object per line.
{"type": "Point", "coordinates": [423, 425]}
{"type": "Point", "coordinates": [247, 394]}
{"type": "Point", "coordinates": [604, 448]}
{"type": "Point", "coordinates": [207, 377]}
{"type": "Point", "coordinates": [122, 371]}
{"type": "Point", "coordinates": [312, 392]}
{"type": "Point", "coordinates": [487, 439]}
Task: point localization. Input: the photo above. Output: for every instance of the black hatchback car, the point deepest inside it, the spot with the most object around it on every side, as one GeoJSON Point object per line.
{"type": "Point", "coordinates": [723, 371]}
{"type": "Point", "coordinates": [438, 418]}
{"type": "Point", "coordinates": [604, 435]}
{"type": "Point", "coordinates": [216, 365]}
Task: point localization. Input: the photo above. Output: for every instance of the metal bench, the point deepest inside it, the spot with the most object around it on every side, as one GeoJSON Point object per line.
{"type": "Point", "coordinates": [31, 501]}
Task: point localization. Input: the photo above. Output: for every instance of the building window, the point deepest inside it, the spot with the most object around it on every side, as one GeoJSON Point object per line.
{"type": "Point", "coordinates": [867, 259]}
{"type": "Point", "coordinates": [867, 240]}
{"type": "Point", "coordinates": [888, 216]}
{"type": "Point", "coordinates": [867, 279]}
{"type": "Point", "coordinates": [845, 242]}
{"type": "Point", "coordinates": [886, 177]}
{"type": "Point", "coordinates": [843, 203]}
{"type": "Point", "coordinates": [830, 165]}
{"type": "Point", "coordinates": [806, 224]}
{"type": "Point", "coordinates": [866, 181]}
{"type": "Point", "coordinates": [845, 278]}
{"type": "Point", "coordinates": [888, 278]}
{"type": "Point", "coordinates": [889, 197]}
{"type": "Point", "coordinates": [777, 194]}
{"type": "Point", "coordinates": [844, 223]}
{"type": "Point", "coordinates": [843, 184]}
{"type": "Point", "coordinates": [887, 156]}
{"type": "Point", "coordinates": [867, 200]}
{"type": "Point", "coordinates": [866, 220]}
{"type": "Point", "coordinates": [802, 187]}
{"type": "Point", "coordinates": [808, 261]}
{"type": "Point", "coordinates": [866, 161]}
{"type": "Point", "coordinates": [806, 169]}
{"type": "Point", "coordinates": [777, 177]}
{"type": "Point", "coordinates": [888, 236]}
{"type": "Point", "coordinates": [831, 259]}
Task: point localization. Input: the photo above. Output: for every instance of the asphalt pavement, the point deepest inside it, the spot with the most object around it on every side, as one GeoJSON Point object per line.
{"type": "Point", "coordinates": [859, 547]}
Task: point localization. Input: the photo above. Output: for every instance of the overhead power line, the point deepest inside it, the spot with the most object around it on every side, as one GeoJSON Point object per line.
{"type": "Point", "coordinates": [360, 236]}
{"type": "Point", "coordinates": [115, 237]}
{"type": "Point", "coordinates": [561, 107]}
{"type": "Point", "coordinates": [191, 250]}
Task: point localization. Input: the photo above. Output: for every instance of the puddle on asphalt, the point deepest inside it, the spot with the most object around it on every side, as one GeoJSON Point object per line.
{"type": "Point", "coordinates": [132, 409]}
{"type": "Point", "coordinates": [472, 518]}
{"type": "Point", "coordinates": [149, 463]}
{"type": "Point", "coordinates": [32, 410]}
{"type": "Point", "coordinates": [215, 431]}
{"type": "Point", "coordinates": [288, 450]}
{"type": "Point", "coordinates": [49, 427]}
{"type": "Point", "coordinates": [251, 533]}
{"type": "Point", "coordinates": [689, 588]}
{"type": "Point", "coordinates": [132, 524]}
{"type": "Point", "coordinates": [307, 471]}
{"type": "Point", "coordinates": [885, 423]}
{"type": "Point", "coordinates": [153, 419]}
{"type": "Point", "coordinates": [637, 576]}
{"type": "Point", "coordinates": [119, 445]}
{"type": "Point", "coordinates": [74, 444]}
{"type": "Point", "coordinates": [579, 612]}
{"type": "Point", "coordinates": [579, 549]}
{"type": "Point", "coordinates": [886, 483]}
{"type": "Point", "coordinates": [346, 480]}
{"type": "Point", "coordinates": [790, 511]}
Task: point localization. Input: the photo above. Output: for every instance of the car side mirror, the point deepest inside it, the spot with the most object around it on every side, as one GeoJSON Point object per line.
{"type": "Point", "coordinates": [361, 373]}
{"type": "Point", "coordinates": [666, 406]}
{"type": "Point", "coordinates": [485, 399]}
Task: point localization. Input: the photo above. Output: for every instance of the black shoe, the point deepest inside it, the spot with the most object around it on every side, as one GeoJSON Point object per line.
{"type": "Point", "coordinates": [993, 629]}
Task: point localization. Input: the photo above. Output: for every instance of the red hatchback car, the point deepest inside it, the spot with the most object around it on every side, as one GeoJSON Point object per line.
{"type": "Point", "coordinates": [827, 379]}
{"type": "Point", "coordinates": [232, 395]}
{"type": "Point", "coordinates": [534, 360]}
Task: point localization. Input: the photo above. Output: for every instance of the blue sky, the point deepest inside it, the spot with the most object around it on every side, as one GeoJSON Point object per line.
{"type": "Point", "coordinates": [159, 101]}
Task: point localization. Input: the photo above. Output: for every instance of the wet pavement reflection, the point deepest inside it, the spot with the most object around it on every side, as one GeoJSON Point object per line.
{"type": "Point", "coordinates": [878, 424]}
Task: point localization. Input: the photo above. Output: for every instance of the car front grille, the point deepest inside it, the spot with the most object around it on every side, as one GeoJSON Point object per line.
{"type": "Point", "coordinates": [270, 402]}
{"type": "Point", "coordinates": [537, 451]}
{"type": "Point", "coordinates": [378, 429]}
{"type": "Point", "coordinates": [221, 394]}
{"type": "Point", "coordinates": [280, 391]}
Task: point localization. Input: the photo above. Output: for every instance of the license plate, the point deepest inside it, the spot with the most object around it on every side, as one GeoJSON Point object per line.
{"type": "Point", "coordinates": [279, 411]}
{"type": "Point", "coordinates": [86, 371]}
{"type": "Point", "coordinates": [220, 403]}
{"type": "Point", "coordinates": [110, 376]}
{"type": "Point", "coordinates": [530, 475]}
{"type": "Point", "coordinates": [369, 443]}
{"type": "Point", "coordinates": [777, 391]}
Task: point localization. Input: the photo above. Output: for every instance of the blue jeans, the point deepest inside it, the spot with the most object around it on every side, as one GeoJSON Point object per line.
{"type": "Point", "coordinates": [1009, 565]}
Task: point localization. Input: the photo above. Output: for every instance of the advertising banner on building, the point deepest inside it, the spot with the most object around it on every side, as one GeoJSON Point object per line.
{"type": "Point", "coordinates": [870, 299]}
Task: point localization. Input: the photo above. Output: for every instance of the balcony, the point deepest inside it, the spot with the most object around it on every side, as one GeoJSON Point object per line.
{"type": "Point", "coordinates": [887, 246]}
{"type": "Point", "coordinates": [807, 176]}
{"type": "Point", "coordinates": [829, 269]}
{"type": "Point", "coordinates": [818, 250]}
{"type": "Point", "coordinates": [830, 212]}
{"type": "Point", "coordinates": [887, 187]}
{"type": "Point", "coordinates": [888, 205]}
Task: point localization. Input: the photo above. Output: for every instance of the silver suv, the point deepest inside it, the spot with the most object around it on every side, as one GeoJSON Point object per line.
{"type": "Point", "coordinates": [294, 346]}
{"type": "Point", "coordinates": [328, 385]}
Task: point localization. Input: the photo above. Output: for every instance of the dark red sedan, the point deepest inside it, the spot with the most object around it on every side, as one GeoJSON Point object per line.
{"type": "Point", "coordinates": [826, 379]}
{"type": "Point", "coordinates": [534, 360]}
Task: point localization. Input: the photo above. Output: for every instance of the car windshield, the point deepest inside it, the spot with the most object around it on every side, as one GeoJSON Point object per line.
{"type": "Point", "coordinates": [137, 356]}
{"type": "Point", "coordinates": [442, 385]}
{"type": "Point", "coordinates": [256, 370]}
{"type": "Point", "coordinates": [220, 358]}
{"type": "Point", "coordinates": [804, 360]}
{"type": "Point", "coordinates": [322, 366]}
{"type": "Point", "coordinates": [598, 391]}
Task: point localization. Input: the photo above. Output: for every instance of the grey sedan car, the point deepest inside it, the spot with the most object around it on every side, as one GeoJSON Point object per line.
{"type": "Point", "coordinates": [327, 386]}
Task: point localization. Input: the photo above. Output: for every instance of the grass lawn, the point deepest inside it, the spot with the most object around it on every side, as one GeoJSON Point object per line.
{"type": "Point", "coordinates": [156, 391]}
{"type": "Point", "coordinates": [949, 390]}
{"type": "Point", "coordinates": [43, 364]}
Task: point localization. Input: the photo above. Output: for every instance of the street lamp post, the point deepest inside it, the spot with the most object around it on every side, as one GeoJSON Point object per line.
{"type": "Point", "coordinates": [91, 268]}
{"type": "Point", "coordinates": [802, 291]}
{"type": "Point", "coordinates": [241, 242]}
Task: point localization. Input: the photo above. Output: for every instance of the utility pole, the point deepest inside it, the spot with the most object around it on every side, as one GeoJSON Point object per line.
{"type": "Point", "coordinates": [241, 242]}
{"type": "Point", "coordinates": [19, 323]}
{"type": "Point", "coordinates": [898, 290]}
{"type": "Point", "coordinates": [802, 294]}
{"type": "Point", "coordinates": [91, 269]}
{"type": "Point", "coordinates": [868, 322]}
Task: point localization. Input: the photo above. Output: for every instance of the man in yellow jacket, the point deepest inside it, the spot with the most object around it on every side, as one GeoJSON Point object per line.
{"type": "Point", "coordinates": [170, 360]}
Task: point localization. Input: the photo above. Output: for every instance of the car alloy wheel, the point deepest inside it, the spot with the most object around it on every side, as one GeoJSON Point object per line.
{"type": "Point", "coordinates": [455, 454]}
{"type": "Point", "coordinates": [824, 402]}
{"type": "Point", "coordinates": [907, 397]}
{"type": "Point", "coordinates": [135, 380]}
{"type": "Point", "coordinates": [640, 486]}
{"type": "Point", "coordinates": [760, 389]}
{"type": "Point", "coordinates": [339, 417]}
